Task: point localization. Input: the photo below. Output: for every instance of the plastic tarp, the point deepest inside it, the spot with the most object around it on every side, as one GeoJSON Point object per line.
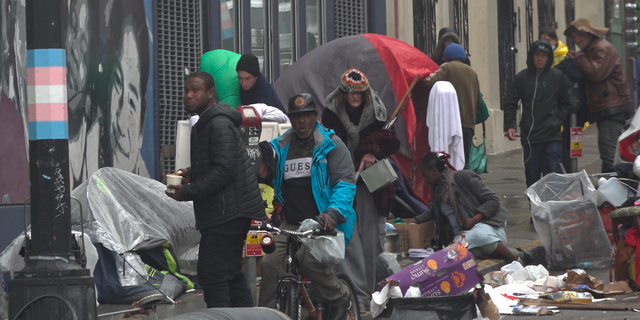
{"type": "Point", "coordinates": [221, 64]}
{"type": "Point", "coordinates": [567, 221]}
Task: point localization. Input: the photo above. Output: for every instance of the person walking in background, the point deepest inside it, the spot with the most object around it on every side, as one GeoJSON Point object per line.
{"type": "Point", "coordinates": [357, 115]}
{"type": "Point", "coordinates": [560, 50]}
{"type": "Point", "coordinates": [314, 179]}
{"type": "Point", "coordinates": [254, 86]}
{"type": "Point", "coordinates": [225, 194]}
{"type": "Point", "coordinates": [446, 36]}
{"type": "Point", "coordinates": [606, 86]}
{"type": "Point", "coordinates": [544, 93]}
{"type": "Point", "coordinates": [467, 86]}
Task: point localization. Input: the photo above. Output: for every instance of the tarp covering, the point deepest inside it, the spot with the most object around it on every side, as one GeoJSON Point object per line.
{"type": "Point", "coordinates": [389, 64]}
{"type": "Point", "coordinates": [126, 212]}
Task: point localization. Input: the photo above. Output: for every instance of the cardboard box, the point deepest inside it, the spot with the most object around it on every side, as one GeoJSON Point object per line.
{"type": "Point", "coordinates": [420, 235]}
{"type": "Point", "coordinates": [439, 275]}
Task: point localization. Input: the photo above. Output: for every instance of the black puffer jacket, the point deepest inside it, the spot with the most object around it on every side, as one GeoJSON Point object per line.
{"type": "Point", "coordinates": [223, 185]}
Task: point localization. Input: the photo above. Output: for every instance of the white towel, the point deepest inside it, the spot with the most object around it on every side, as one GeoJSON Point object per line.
{"type": "Point", "coordinates": [443, 121]}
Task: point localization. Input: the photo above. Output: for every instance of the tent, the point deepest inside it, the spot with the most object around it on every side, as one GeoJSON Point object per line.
{"type": "Point", "coordinates": [390, 65]}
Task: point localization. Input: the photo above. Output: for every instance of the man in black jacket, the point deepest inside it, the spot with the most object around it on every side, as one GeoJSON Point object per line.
{"type": "Point", "coordinates": [544, 94]}
{"type": "Point", "coordinates": [225, 194]}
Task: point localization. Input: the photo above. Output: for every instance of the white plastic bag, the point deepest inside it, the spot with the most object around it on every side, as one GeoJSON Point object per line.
{"type": "Point", "coordinates": [516, 270]}
{"type": "Point", "coordinates": [328, 250]}
{"type": "Point", "coordinates": [534, 273]}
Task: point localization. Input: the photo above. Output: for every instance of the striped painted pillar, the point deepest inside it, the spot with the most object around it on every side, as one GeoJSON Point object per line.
{"type": "Point", "coordinates": [49, 152]}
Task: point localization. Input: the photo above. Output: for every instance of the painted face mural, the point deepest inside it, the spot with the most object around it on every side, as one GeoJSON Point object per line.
{"type": "Point", "coordinates": [108, 58]}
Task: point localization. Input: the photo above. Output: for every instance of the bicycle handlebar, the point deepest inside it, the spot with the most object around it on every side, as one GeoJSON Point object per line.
{"type": "Point", "coordinates": [298, 234]}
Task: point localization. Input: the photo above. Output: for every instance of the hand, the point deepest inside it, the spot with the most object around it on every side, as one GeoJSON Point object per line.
{"type": "Point", "coordinates": [511, 134]}
{"type": "Point", "coordinates": [570, 55]}
{"type": "Point", "coordinates": [186, 176]}
{"type": "Point", "coordinates": [471, 222]}
{"type": "Point", "coordinates": [329, 223]}
{"type": "Point", "coordinates": [413, 220]}
{"type": "Point", "coordinates": [277, 215]}
{"type": "Point", "coordinates": [177, 195]}
{"type": "Point", "coordinates": [367, 161]}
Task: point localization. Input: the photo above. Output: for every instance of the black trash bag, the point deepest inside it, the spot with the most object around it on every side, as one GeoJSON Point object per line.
{"type": "Point", "coordinates": [457, 307]}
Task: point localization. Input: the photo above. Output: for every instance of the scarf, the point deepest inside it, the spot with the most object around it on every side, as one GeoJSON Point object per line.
{"type": "Point", "coordinates": [374, 110]}
{"type": "Point", "coordinates": [446, 193]}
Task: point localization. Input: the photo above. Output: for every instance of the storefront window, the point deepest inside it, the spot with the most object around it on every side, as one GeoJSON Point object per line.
{"type": "Point", "coordinates": [227, 22]}
{"type": "Point", "coordinates": [285, 28]}
{"type": "Point", "coordinates": [314, 27]}
{"type": "Point", "coordinates": [258, 31]}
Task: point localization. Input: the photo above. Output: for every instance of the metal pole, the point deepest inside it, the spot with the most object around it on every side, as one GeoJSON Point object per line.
{"type": "Point", "coordinates": [573, 122]}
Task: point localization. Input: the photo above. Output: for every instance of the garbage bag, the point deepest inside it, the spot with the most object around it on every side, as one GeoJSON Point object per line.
{"type": "Point", "coordinates": [328, 250]}
{"type": "Point", "coordinates": [567, 221]}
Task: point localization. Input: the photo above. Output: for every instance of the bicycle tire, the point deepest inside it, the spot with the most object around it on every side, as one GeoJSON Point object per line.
{"type": "Point", "coordinates": [288, 300]}
{"type": "Point", "coordinates": [354, 313]}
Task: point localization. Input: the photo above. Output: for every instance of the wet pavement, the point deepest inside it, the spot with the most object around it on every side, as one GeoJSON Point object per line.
{"type": "Point", "coordinates": [506, 179]}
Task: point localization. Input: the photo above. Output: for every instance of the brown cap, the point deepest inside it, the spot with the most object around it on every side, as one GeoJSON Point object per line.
{"type": "Point", "coordinates": [583, 24]}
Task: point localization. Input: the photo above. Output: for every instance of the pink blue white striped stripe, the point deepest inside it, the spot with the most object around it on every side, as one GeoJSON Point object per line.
{"type": "Point", "coordinates": [47, 94]}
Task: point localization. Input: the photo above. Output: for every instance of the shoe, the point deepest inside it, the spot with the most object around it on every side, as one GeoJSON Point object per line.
{"type": "Point", "coordinates": [338, 312]}
{"type": "Point", "coordinates": [524, 257]}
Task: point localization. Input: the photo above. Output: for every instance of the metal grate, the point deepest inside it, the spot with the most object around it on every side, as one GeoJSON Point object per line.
{"type": "Point", "coordinates": [506, 43]}
{"type": "Point", "coordinates": [461, 22]}
{"type": "Point", "coordinates": [179, 38]}
{"type": "Point", "coordinates": [547, 14]}
{"type": "Point", "coordinates": [350, 17]}
{"type": "Point", "coordinates": [529, 22]}
{"type": "Point", "coordinates": [569, 16]}
{"type": "Point", "coordinates": [424, 26]}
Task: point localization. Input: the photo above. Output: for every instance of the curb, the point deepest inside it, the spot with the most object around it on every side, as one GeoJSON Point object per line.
{"type": "Point", "coordinates": [533, 247]}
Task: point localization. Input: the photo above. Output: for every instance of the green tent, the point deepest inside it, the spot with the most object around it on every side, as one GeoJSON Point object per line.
{"type": "Point", "coordinates": [221, 64]}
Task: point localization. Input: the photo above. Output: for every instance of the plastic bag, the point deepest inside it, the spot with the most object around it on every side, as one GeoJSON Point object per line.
{"type": "Point", "coordinates": [328, 250]}
{"type": "Point", "coordinates": [567, 221]}
{"type": "Point", "coordinates": [515, 270]}
{"type": "Point", "coordinates": [534, 273]}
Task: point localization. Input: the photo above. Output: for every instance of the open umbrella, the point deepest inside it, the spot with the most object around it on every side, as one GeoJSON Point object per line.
{"type": "Point", "coordinates": [389, 64]}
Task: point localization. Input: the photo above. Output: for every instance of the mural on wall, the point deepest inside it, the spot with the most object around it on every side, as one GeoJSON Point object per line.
{"type": "Point", "coordinates": [109, 54]}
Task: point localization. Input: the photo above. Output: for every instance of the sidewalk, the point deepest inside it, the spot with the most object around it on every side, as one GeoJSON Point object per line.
{"type": "Point", "coordinates": [506, 179]}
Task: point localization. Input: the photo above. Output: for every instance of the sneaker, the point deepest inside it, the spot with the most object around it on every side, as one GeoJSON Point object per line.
{"type": "Point", "coordinates": [524, 257]}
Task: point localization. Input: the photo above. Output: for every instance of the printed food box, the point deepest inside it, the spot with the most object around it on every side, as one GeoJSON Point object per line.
{"type": "Point", "coordinates": [446, 272]}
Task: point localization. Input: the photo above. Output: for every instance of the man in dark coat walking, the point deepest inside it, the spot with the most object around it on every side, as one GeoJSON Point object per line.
{"type": "Point", "coordinates": [225, 194]}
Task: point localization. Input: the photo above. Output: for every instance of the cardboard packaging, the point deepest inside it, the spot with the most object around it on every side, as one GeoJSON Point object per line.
{"type": "Point", "coordinates": [420, 235]}
{"type": "Point", "coordinates": [439, 274]}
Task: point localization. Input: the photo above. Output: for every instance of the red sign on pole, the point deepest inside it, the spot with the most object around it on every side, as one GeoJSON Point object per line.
{"type": "Point", "coordinates": [576, 142]}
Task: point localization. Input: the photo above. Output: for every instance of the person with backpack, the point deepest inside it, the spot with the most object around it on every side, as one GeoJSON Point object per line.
{"type": "Point", "coordinates": [543, 92]}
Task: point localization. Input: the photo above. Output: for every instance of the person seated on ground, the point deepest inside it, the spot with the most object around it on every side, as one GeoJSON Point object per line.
{"type": "Point", "coordinates": [469, 208]}
{"type": "Point", "coordinates": [254, 87]}
{"type": "Point", "coordinates": [314, 179]}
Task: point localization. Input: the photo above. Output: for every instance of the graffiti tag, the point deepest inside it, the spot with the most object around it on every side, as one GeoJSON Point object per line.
{"type": "Point", "coordinates": [60, 189]}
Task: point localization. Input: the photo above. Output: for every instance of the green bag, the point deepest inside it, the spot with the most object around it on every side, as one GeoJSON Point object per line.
{"type": "Point", "coordinates": [478, 155]}
{"type": "Point", "coordinates": [483, 114]}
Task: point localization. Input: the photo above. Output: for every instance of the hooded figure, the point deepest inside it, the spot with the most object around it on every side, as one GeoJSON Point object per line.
{"type": "Point", "coordinates": [545, 105]}
{"type": "Point", "coordinates": [446, 36]}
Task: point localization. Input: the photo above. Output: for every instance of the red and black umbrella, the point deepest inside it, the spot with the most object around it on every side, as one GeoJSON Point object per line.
{"type": "Point", "coordinates": [389, 64]}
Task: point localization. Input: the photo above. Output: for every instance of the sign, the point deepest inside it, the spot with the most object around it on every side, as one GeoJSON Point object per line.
{"type": "Point", "coordinates": [253, 247]}
{"type": "Point", "coordinates": [576, 142]}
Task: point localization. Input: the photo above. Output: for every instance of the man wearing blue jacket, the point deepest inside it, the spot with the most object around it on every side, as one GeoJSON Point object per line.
{"type": "Point", "coordinates": [313, 166]}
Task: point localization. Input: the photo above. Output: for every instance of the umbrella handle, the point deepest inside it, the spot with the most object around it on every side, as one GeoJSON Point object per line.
{"type": "Point", "coordinates": [400, 106]}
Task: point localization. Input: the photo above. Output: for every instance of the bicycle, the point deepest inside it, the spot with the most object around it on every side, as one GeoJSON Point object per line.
{"type": "Point", "coordinates": [293, 289]}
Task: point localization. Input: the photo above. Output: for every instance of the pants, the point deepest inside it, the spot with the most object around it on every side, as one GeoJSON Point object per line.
{"type": "Point", "coordinates": [609, 129]}
{"type": "Point", "coordinates": [467, 140]}
{"type": "Point", "coordinates": [324, 282]}
{"type": "Point", "coordinates": [539, 154]}
{"type": "Point", "coordinates": [220, 271]}
{"type": "Point", "coordinates": [367, 242]}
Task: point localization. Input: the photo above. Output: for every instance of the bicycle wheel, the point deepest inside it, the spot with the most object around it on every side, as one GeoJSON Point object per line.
{"type": "Point", "coordinates": [288, 300]}
{"type": "Point", "coordinates": [354, 313]}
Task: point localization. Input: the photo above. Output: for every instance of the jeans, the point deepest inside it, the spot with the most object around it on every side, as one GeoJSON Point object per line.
{"type": "Point", "coordinates": [538, 155]}
{"type": "Point", "coordinates": [609, 129]}
{"type": "Point", "coordinates": [220, 271]}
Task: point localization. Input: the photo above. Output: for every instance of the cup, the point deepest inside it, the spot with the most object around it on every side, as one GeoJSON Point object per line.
{"type": "Point", "coordinates": [173, 179]}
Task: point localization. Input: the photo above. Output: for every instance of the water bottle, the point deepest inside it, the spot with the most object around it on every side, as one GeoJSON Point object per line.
{"type": "Point", "coordinates": [463, 241]}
